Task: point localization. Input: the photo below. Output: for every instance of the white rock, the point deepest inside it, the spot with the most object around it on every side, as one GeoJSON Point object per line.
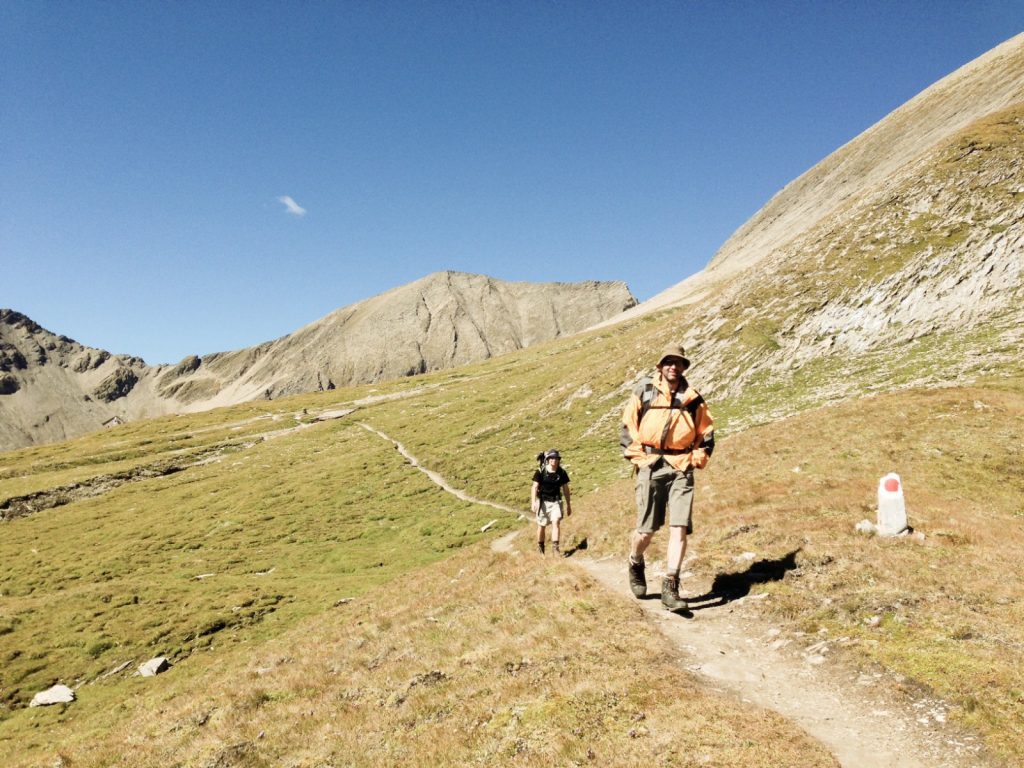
{"type": "Point", "coordinates": [58, 694]}
{"type": "Point", "coordinates": [154, 666]}
{"type": "Point", "coordinates": [488, 526]}
{"type": "Point", "coordinates": [866, 526]}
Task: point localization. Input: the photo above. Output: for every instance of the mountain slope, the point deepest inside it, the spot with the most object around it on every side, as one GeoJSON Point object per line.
{"type": "Point", "coordinates": [441, 321]}
{"type": "Point", "coordinates": [900, 252]}
{"type": "Point", "coordinates": [53, 388]}
{"type": "Point", "coordinates": [989, 84]}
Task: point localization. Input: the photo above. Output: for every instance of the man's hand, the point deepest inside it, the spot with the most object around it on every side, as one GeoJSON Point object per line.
{"type": "Point", "coordinates": [699, 458]}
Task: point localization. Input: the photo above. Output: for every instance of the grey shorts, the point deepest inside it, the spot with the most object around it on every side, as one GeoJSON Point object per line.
{"type": "Point", "coordinates": [549, 512]}
{"type": "Point", "coordinates": [664, 487]}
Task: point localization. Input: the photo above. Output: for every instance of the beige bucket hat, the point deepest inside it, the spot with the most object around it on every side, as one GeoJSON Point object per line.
{"type": "Point", "coordinates": [674, 350]}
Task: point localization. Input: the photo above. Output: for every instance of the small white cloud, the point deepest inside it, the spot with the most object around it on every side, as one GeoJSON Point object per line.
{"type": "Point", "coordinates": [292, 207]}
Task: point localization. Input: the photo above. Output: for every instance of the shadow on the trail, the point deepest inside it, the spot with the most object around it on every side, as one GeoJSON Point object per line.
{"type": "Point", "coordinates": [732, 586]}
{"type": "Point", "coordinates": [582, 545]}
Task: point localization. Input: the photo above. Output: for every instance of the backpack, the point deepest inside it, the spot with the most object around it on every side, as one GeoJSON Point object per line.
{"type": "Point", "coordinates": [645, 391]}
{"type": "Point", "coordinates": [544, 474]}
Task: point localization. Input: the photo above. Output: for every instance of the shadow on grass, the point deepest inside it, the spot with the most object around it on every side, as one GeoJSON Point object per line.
{"type": "Point", "coordinates": [732, 586]}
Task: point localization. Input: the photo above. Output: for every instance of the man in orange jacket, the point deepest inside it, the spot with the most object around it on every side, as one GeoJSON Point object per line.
{"type": "Point", "coordinates": [671, 433]}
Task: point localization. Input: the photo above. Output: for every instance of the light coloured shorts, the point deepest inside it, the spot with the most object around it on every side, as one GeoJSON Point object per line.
{"type": "Point", "coordinates": [549, 512]}
{"type": "Point", "coordinates": [664, 487]}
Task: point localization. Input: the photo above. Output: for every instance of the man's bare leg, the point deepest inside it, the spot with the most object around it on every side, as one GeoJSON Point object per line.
{"type": "Point", "coordinates": [676, 549]}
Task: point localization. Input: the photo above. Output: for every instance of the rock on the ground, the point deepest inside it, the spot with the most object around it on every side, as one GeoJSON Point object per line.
{"type": "Point", "coordinates": [58, 694]}
{"type": "Point", "coordinates": [154, 666]}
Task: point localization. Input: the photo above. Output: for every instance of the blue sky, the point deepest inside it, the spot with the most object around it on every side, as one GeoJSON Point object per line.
{"type": "Point", "coordinates": [191, 177]}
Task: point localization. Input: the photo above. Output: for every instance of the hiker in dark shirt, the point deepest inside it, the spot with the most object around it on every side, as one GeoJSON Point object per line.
{"type": "Point", "coordinates": [550, 485]}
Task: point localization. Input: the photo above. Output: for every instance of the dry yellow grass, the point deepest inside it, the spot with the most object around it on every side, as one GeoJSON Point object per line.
{"type": "Point", "coordinates": [950, 606]}
{"type": "Point", "coordinates": [487, 658]}
{"type": "Point", "coordinates": [493, 658]}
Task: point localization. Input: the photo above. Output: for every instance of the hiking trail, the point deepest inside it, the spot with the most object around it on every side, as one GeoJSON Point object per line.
{"type": "Point", "coordinates": [735, 650]}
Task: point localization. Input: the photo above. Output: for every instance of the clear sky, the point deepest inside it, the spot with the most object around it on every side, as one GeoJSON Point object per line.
{"type": "Point", "coordinates": [189, 177]}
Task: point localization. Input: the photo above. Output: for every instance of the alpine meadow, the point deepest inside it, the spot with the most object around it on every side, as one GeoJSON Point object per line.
{"type": "Point", "coordinates": [323, 601]}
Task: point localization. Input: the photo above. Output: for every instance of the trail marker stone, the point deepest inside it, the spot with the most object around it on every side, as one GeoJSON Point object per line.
{"type": "Point", "coordinates": [892, 510]}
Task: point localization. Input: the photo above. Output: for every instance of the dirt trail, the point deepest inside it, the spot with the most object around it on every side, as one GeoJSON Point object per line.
{"type": "Point", "coordinates": [731, 646]}
{"type": "Point", "coordinates": [436, 478]}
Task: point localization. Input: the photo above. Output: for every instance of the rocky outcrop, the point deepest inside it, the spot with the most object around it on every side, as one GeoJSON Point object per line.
{"type": "Point", "coordinates": [52, 387]}
{"type": "Point", "coordinates": [8, 384]}
{"type": "Point", "coordinates": [189, 365]}
{"type": "Point", "coordinates": [116, 385]}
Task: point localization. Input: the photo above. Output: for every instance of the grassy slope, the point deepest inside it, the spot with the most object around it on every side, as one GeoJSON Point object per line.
{"type": "Point", "coordinates": [484, 658]}
{"type": "Point", "coordinates": [291, 525]}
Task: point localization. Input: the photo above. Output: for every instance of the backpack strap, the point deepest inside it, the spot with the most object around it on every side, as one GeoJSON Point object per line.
{"type": "Point", "coordinates": [691, 408]}
{"type": "Point", "coordinates": [646, 396]}
{"type": "Point", "coordinates": [644, 391]}
{"type": "Point", "coordinates": [673, 396]}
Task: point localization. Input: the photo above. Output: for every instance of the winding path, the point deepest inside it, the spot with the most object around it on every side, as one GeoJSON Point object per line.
{"type": "Point", "coordinates": [734, 649]}
{"type": "Point", "coordinates": [436, 478]}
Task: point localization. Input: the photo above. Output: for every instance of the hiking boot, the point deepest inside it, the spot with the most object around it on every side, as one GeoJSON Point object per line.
{"type": "Point", "coordinates": [540, 547]}
{"type": "Point", "coordinates": [637, 582]}
{"type": "Point", "coordinates": [555, 549]}
{"type": "Point", "coordinates": [670, 594]}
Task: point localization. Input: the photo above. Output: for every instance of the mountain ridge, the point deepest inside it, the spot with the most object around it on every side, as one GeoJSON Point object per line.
{"type": "Point", "coordinates": [53, 388]}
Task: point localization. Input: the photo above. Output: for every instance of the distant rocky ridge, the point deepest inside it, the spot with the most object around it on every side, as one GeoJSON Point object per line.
{"type": "Point", "coordinates": [53, 388]}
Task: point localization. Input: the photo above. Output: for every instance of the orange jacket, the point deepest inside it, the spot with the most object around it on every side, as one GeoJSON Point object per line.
{"type": "Point", "coordinates": [681, 431]}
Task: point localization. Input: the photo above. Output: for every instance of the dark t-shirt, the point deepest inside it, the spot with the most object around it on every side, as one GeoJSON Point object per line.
{"type": "Point", "coordinates": [550, 484]}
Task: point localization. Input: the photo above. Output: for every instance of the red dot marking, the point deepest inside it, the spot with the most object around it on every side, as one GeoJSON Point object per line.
{"type": "Point", "coordinates": [892, 485]}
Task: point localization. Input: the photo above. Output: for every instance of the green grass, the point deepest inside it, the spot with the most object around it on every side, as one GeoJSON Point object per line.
{"type": "Point", "coordinates": [169, 566]}
{"type": "Point", "coordinates": [283, 530]}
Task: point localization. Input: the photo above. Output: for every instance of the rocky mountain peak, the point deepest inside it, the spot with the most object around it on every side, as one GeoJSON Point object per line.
{"type": "Point", "coordinates": [52, 387]}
